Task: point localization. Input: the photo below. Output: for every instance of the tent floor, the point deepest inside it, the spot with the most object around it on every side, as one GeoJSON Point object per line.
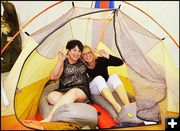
{"type": "Point", "coordinates": [11, 123]}
{"type": "Point", "coordinates": [11, 119]}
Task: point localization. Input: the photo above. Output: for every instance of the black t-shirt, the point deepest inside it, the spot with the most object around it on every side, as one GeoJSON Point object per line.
{"type": "Point", "coordinates": [101, 66]}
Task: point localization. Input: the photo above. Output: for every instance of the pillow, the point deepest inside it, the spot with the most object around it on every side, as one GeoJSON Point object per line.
{"type": "Point", "coordinates": [44, 106]}
{"type": "Point", "coordinates": [98, 99]}
{"type": "Point", "coordinates": [130, 108]}
{"type": "Point", "coordinates": [78, 113]}
{"type": "Point", "coordinates": [107, 106]}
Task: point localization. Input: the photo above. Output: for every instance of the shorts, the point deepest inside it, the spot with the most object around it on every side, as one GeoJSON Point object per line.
{"type": "Point", "coordinates": [98, 83]}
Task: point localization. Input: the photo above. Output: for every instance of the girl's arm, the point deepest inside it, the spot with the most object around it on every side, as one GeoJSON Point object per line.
{"type": "Point", "coordinates": [58, 69]}
{"type": "Point", "coordinates": [112, 60]}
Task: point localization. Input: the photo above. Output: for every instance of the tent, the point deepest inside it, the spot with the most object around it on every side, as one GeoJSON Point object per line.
{"type": "Point", "coordinates": [149, 67]}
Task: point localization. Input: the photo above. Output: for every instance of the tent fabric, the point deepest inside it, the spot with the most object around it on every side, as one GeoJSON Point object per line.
{"type": "Point", "coordinates": [145, 75]}
{"type": "Point", "coordinates": [14, 124]}
{"type": "Point", "coordinates": [11, 81]}
{"type": "Point", "coordinates": [26, 106]}
{"type": "Point", "coordinates": [126, 38]}
{"type": "Point", "coordinates": [104, 4]}
{"type": "Point", "coordinates": [171, 73]}
{"type": "Point", "coordinates": [52, 40]}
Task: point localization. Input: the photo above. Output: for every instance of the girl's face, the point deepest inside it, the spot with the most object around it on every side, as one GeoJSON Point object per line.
{"type": "Point", "coordinates": [74, 54]}
{"type": "Point", "coordinates": [87, 55]}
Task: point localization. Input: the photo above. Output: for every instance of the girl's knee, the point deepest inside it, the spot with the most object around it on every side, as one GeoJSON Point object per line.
{"type": "Point", "coordinates": [114, 77]}
{"type": "Point", "coordinates": [77, 93]}
{"type": "Point", "coordinates": [99, 78]}
{"type": "Point", "coordinates": [74, 91]}
{"type": "Point", "coordinates": [114, 80]}
{"type": "Point", "coordinates": [53, 97]}
{"type": "Point", "coordinates": [99, 83]}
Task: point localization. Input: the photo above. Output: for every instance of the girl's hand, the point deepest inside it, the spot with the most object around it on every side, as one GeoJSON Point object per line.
{"type": "Point", "coordinates": [62, 56]}
{"type": "Point", "coordinates": [102, 53]}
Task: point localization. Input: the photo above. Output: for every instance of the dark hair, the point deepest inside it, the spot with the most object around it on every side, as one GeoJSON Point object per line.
{"type": "Point", "coordinates": [73, 43]}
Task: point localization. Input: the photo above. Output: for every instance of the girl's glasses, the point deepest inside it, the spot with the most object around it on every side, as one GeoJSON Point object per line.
{"type": "Point", "coordinates": [87, 53]}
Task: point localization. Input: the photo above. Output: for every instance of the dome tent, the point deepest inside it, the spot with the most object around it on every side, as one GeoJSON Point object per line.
{"type": "Point", "coordinates": [128, 40]}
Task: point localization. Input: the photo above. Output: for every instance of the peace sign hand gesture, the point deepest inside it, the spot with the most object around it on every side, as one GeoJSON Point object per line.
{"type": "Point", "coordinates": [102, 53]}
{"type": "Point", "coordinates": [62, 56]}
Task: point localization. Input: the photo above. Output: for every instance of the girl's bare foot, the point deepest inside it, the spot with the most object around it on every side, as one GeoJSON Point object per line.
{"type": "Point", "coordinates": [117, 108]}
{"type": "Point", "coordinates": [48, 119]}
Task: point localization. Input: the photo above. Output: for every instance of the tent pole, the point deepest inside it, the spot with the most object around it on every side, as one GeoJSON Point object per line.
{"type": "Point", "coordinates": [154, 21]}
{"type": "Point", "coordinates": [4, 96]}
{"type": "Point", "coordinates": [27, 24]}
{"type": "Point", "coordinates": [73, 4]}
{"type": "Point", "coordinates": [119, 6]}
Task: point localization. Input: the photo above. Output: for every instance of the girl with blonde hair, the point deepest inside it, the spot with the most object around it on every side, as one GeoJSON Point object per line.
{"type": "Point", "coordinates": [101, 82]}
